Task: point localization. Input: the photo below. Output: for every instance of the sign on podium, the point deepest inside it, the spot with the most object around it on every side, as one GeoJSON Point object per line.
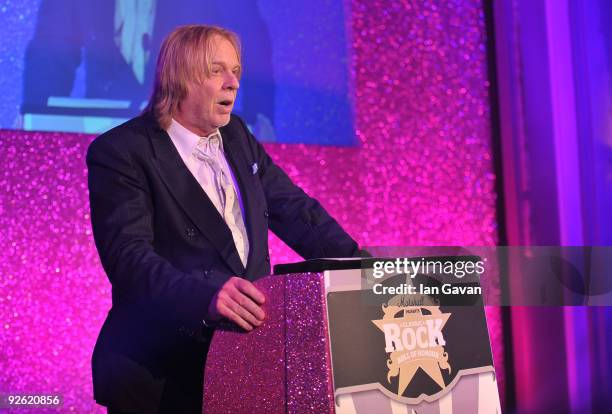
{"type": "Point", "coordinates": [360, 336]}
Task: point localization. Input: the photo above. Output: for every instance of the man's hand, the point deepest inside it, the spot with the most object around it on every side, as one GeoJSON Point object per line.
{"type": "Point", "coordinates": [239, 301]}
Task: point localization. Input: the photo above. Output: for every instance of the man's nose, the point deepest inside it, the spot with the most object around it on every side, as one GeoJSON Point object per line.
{"type": "Point", "coordinates": [231, 81]}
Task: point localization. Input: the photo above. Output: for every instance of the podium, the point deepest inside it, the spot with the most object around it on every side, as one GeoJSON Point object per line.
{"type": "Point", "coordinates": [330, 344]}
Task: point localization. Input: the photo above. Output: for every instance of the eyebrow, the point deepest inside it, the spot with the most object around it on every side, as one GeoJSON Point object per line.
{"type": "Point", "coordinates": [224, 64]}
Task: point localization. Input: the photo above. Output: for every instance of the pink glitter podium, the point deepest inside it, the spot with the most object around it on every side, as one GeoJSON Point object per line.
{"type": "Point", "coordinates": [281, 367]}
{"type": "Point", "coordinates": [285, 366]}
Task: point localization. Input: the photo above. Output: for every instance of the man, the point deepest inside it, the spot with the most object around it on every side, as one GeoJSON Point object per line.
{"type": "Point", "coordinates": [182, 198]}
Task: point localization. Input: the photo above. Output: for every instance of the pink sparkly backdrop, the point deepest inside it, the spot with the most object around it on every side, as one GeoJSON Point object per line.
{"type": "Point", "coordinates": [422, 175]}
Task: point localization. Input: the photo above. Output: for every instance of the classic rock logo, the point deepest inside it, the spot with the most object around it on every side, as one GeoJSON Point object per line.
{"type": "Point", "coordinates": [414, 339]}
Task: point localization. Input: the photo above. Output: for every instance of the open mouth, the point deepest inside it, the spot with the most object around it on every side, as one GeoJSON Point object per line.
{"type": "Point", "coordinates": [226, 103]}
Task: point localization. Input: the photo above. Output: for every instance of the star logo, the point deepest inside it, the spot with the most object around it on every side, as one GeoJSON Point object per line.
{"type": "Point", "coordinates": [414, 339]}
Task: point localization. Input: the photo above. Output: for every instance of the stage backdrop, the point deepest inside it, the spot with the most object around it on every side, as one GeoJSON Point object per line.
{"type": "Point", "coordinates": [85, 66]}
{"type": "Point", "coordinates": [420, 174]}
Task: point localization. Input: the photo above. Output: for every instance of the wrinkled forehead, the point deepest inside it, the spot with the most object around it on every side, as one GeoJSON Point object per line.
{"type": "Point", "coordinates": [218, 45]}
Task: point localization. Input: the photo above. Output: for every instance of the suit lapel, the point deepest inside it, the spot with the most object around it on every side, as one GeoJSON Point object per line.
{"type": "Point", "coordinates": [191, 197]}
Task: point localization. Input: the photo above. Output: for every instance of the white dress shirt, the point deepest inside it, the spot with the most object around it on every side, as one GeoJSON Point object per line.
{"type": "Point", "coordinates": [226, 199]}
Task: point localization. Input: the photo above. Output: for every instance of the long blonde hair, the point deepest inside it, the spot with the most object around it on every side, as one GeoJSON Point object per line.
{"type": "Point", "coordinates": [184, 57]}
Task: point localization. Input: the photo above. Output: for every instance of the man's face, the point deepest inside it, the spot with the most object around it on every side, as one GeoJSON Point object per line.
{"type": "Point", "coordinates": [208, 105]}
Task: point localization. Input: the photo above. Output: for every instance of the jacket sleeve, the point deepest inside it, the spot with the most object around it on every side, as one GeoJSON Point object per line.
{"type": "Point", "coordinates": [122, 220]}
{"type": "Point", "coordinates": [296, 218]}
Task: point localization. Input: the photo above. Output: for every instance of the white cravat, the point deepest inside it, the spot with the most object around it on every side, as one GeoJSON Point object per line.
{"type": "Point", "coordinates": [207, 150]}
{"type": "Point", "coordinates": [207, 163]}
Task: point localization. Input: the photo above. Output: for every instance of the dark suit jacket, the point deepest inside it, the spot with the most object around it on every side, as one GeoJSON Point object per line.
{"type": "Point", "coordinates": [166, 251]}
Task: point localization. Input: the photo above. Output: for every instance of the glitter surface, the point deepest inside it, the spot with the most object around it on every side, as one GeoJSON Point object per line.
{"type": "Point", "coordinates": [422, 175]}
{"type": "Point", "coordinates": [308, 367]}
{"type": "Point", "coordinates": [53, 293]}
{"type": "Point", "coordinates": [289, 353]}
{"type": "Point", "coordinates": [245, 372]}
